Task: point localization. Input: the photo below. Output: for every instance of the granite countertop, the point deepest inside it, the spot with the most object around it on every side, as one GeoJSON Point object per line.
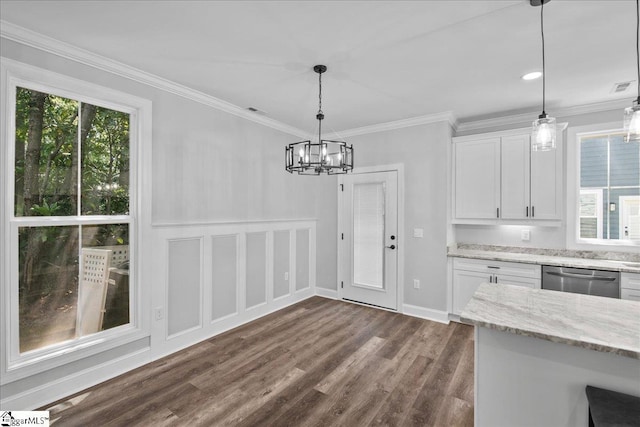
{"type": "Point", "coordinates": [630, 266]}
{"type": "Point", "coordinates": [602, 324]}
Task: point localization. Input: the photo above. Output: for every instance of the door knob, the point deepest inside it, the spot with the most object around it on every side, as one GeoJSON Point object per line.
{"type": "Point", "coordinates": [391, 247]}
{"type": "Point", "coordinates": [393, 237]}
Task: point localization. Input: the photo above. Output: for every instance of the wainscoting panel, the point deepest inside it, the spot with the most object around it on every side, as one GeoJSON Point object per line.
{"type": "Point", "coordinates": [184, 285]}
{"type": "Point", "coordinates": [302, 259]}
{"type": "Point", "coordinates": [224, 276]}
{"type": "Point", "coordinates": [281, 265]}
{"type": "Point", "coordinates": [256, 285]}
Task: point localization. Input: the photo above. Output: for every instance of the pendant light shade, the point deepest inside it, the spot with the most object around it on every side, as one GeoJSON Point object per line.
{"type": "Point", "coordinates": [632, 123]}
{"type": "Point", "coordinates": [632, 114]}
{"type": "Point", "coordinates": [543, 134]}
{"type": "Point", "coordinates": [324, 156]}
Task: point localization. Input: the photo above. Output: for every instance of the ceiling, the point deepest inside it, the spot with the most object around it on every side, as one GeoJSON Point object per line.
{"type": "Point", "coordinates": [387, 60]}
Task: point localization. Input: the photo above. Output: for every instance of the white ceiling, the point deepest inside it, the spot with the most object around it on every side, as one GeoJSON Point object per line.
{"type": "Point", "coordinates": [386, 60]}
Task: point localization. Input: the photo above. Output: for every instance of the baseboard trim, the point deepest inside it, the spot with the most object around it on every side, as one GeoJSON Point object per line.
{"type": "Point", "coordinates": [326, 293]}
{"type": "Point", "coordinates": [426, 313]}
{"type": "Point", "coordinates": [45, 394]}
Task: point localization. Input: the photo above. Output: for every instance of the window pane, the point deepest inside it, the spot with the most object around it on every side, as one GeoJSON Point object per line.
{"type": "Point", "coordinates": [48, 284]}
{"type": "Point", "coordinates": [625, 158]}
{"type": "Point", "coordinates": [105, 166]}
{"type": "Point", "coordinates": [368, 234]}
{"type": "Point", "coordinates": [46, 154]}
{"type": "Point", "coordinates": [588, 228]}
{"type": "Point", "coordinates": [588, 204]}
{"type": "Point", "coordinates": [104, 284]}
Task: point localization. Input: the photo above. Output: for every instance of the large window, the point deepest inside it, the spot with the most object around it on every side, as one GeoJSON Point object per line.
{"type": "Point", "coordinates": [609, 202]}
{"type": "Point", "coordinates": [71, 217]}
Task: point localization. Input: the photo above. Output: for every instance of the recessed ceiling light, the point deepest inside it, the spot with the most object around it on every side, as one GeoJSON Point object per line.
{"type": "Point", "coordinates": [532, 76]}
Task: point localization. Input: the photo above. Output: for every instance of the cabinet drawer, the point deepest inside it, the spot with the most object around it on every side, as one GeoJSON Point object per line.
{"type": "Point", "coordinates": [630, 294]}
{"type": "Point", "coordinates": [532, 271]}
{"type": "Point", "coordinates": [630, 281]}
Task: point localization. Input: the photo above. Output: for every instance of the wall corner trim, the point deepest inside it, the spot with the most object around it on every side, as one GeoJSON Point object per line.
{"type": "Point", "coordinates": [426, 313]}
{"type": "Point", "coordinates": [59, 48]}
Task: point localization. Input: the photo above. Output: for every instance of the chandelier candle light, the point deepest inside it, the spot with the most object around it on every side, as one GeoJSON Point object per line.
{"type": "Point", "coordinates": [324, 156]}
{"type": "Point", "coordinates": [543, 135]}
{"type": "Point", "coordinates": [632, 114]}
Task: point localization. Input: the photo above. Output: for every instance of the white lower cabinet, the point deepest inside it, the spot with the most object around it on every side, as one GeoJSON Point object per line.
{"type": "Point", "coordinates": [468, 274]}
{"type": "Point", "coordinates": [630, 286]}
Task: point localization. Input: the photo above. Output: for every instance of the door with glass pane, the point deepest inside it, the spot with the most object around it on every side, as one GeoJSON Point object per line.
{"type": "Point", "coordinates": [369, 261]}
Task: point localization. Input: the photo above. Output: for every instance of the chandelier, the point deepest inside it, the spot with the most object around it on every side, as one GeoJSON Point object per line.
{"type": "Point", "coordinates": [321, 156]}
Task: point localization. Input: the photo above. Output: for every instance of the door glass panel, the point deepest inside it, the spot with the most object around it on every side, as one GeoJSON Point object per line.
{"type": "Point", "coordinates": [368, 234]}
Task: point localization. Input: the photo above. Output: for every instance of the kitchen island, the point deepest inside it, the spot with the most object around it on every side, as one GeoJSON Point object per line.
{"type": "Point", "coordinates": [536, 351]}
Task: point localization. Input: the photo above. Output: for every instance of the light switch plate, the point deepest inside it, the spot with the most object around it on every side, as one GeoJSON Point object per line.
{"type": "Point", "coordinates": [418, 232]}
{"type": "Point", "coordinates": [525, 235]}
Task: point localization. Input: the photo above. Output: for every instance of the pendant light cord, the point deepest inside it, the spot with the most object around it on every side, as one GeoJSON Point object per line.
{"type": "Point", "coordinates": [638, 46]}
{"type": "Point", "coordinates": [544, 71]}
{"type": "Point", "coordinates": [320, 114]}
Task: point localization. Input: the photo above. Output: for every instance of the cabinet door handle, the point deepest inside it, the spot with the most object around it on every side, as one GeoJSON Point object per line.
{"type": "Point", "coordinates": [495, 279]}
{"type": "Point", "coordinates": [491, 279]}
{"type": "Point", "coordinates": [527, 211]}
{"type": "Point", "coordinates": [533, 212]}
{"type": "Point", "coordinates": [497, 212]}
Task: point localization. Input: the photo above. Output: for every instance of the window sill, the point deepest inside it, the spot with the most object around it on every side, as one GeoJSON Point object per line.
{"type": "Point", "coordinates": [39, 361]}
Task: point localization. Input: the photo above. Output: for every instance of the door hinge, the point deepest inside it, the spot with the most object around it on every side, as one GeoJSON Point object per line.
{"type": "Point", "coordinates": [341, 284]}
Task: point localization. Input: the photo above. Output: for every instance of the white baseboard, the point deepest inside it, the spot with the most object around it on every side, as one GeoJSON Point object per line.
{"type": "Point", "coordinates": [45, 394]}
{"type": "Point", "coordinates": [426, 313]}
{"type": "Point", "coordinates": [326, 293]}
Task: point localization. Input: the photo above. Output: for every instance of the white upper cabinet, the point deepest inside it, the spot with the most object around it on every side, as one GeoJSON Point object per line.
{"type": "Point", "coordinates": [515, 179]}
{"type": "Point", "coordinates": [477, 177]}
{"type": "Point", "coordinates": [498, 179]}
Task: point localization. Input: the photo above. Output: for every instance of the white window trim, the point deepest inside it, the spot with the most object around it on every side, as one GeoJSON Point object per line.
{"type": "Point", "coordinates": [14, 73]}
{"type": "Point", "coordinates": [573, 192]}
{"type": "Point", "coordinates": [623, 200]}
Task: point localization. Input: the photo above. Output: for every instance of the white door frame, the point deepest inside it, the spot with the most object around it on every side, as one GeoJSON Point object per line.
{"type": "Point", "coordinates": [399, 169]}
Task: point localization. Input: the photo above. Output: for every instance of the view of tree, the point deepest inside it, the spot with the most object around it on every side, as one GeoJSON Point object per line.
{"type": "Point", "coordinates": [71, 159]}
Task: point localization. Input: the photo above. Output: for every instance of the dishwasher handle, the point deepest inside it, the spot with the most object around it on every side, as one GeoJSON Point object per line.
{"type": "Point", "coordinates": [582, 276]}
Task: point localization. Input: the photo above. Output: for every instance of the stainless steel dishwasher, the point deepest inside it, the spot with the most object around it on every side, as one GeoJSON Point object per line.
{"type": "Point", "coordinates": [581, 281]}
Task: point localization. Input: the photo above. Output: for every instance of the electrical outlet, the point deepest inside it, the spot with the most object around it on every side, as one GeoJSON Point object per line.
{"type": "Point", "coordinates": [416, 284]}
{"type": "Point", "coordinates": [525, 235]}
{"type": "Point", "coordinates": [286, 275]}
{"type": "Point", "coordinates": [159, 313]}
{"type": "Point", "coordinates": [418, 232]}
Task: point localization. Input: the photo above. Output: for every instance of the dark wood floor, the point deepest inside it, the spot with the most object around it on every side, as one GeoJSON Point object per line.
{"type": "Point", "coordinates": [317, 363]}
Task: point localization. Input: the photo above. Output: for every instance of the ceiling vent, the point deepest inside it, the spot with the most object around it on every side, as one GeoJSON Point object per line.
{"type": "Point", "coordinates": [621, 87]}
{"type": "Point", "coordinates": [255, 110]}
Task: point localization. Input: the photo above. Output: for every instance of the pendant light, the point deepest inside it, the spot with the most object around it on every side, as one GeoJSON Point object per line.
{"type": "Point", "coordinates": [323, 156]}
{"type": "Point", "coordinates": [632, 114]}
{"type": "Point", "coordinates": [543, 135]}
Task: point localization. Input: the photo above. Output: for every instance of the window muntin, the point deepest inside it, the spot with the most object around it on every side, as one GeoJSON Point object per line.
{"type": "Point", "coordinates": [71, 194]}
{"type": "Point", "coordinates": [612, 168]}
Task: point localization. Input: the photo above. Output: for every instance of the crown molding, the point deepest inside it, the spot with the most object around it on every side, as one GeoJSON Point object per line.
{"type": "Point", "coordinates": [447, 116]}
{"type": "Point", "coordinates": [59, 48]}
{"type": "Point", "coordinates": [596, 107]}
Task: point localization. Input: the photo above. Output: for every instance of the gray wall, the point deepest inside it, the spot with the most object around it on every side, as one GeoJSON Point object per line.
{"type": "Point", "coordinates": [207, 166]}
{"type": "Point", "coordinates": [423, 150]}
